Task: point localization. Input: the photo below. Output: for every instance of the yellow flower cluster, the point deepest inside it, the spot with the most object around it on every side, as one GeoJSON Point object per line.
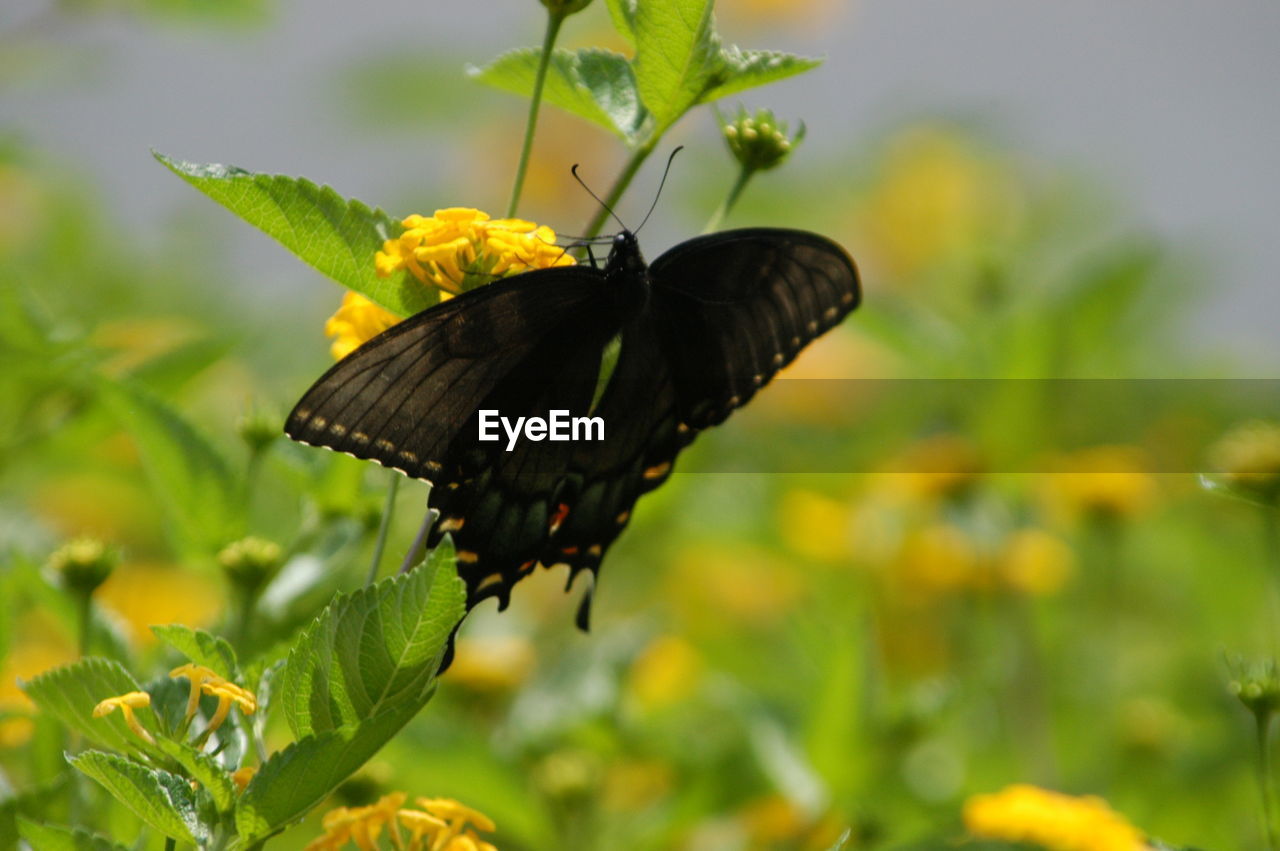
{"type": "Point", "coordinates": [1107, 483]}
{"type": "Point", "coordinates": [203, 681]}
{"type": "Point", "coordinates": [440, 824]}
{"type": "Point", "coordinates": [1023, 813]}
{"type": "Point", "coordinates": [209, 682]}
{"type": "Point", "coordinates": [456, 250]}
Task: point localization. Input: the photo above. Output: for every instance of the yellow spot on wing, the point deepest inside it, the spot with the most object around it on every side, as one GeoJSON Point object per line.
{"type": "Point", "coordinates": [658, 470]}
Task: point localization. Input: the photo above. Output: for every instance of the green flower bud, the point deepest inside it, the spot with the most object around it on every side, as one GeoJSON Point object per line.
{"type": "Point", "coordinates": [1257, 686]}
{"type": "Point", "coordinates": [759, 142]}
{"type": "Point", "coordinates": [565, 8]}
{"type": "Point", "coordinates": [1248, 457]}
{"type": "Point", "coordinates": [250, 562]}
{"type": "Point", "coordinates": [83, 564]}
{"type": "Point", "coordinates": [257, 429]}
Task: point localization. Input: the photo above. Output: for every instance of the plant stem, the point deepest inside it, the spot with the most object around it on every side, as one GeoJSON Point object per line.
{"type": "Point", "coordinates": [383, 527]}
{"type": "Point", "coordinates": [554, 21]}
{"type": "Point", "coordinates": [619, 186]}
{"type": "Point", "coordinates": [1263, 720]}
{"type": "Point", "coordinates": [740, 184]}
{"type": "Point", "coordinates": [85, 616]}
{"type": "Point", "coordinates": [411, 556]}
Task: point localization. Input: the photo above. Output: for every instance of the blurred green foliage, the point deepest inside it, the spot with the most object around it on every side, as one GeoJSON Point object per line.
{"type": "Point", "coordinates": [776, 659]}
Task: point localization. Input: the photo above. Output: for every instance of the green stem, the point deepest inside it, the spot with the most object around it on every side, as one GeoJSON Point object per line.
{"type": "Point", "coordinates": [620, 186]}
{"type": "Point", "coordinates": [554, 21]}
{"type": "Point", "coordinates": [740, 184]}
{"type": "Point", "coordinates": [1263, 720]}
{"type": "Point", "coordinates": [383, 527]}
{"type": "Point", "coordinates": [85, 616]}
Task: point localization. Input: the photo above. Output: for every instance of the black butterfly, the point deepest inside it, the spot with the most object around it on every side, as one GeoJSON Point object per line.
{"type": "Point", "coordinates": [703, 328]}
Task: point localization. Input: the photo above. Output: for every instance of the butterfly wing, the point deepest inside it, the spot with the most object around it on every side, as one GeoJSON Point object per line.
{"type": "Point", "coordinates": [726, 312]}
{"type": "Point", "coordinates": [405, 398]}
{"type": "Point", "coordinates": [735, 307]}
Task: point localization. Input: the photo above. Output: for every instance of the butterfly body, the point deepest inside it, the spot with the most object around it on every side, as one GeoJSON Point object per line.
{"type": "Point", "coordinates": [701, 330]}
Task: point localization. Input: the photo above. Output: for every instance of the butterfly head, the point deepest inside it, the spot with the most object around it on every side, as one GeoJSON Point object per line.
{"type": "Point", "coordinates": [624, 256]}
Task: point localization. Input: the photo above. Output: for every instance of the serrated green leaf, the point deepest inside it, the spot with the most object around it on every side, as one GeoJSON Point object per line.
{"type": "Point", "coordinates": [623, 13]}
{"type": "Point", "coordinates": [745, 69]}
{"type": "Point", "coordinates": [163, 800]}
{"type": "Point", "coordinates": [597, 85]}
{"type": "Point", "coordinates": [49, 837]}
{"type": "Point", "coordinates": [302, 775]}
{"type": "Point", "coordinates": [374, 649]}
{"type": "Point", "coordinates": [205, 770]}
{"type": "Point", "coordinates": [677, 56]}
{"type": "Point", "coordinates": [202, 648]}
{"type": "Point", "coordinates": [70, 693]}
{"type": "Point", "coordinates": [336, 236]}
{"type": "Point", "coordinates": [191, 477]}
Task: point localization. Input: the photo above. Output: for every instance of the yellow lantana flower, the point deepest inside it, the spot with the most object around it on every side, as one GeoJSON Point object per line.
{"type": "Point", "coordinates": [455, 250]}
{"type": "Point", "coordinates": [1023, 813]}
{"type": "Point", "coordinates": [126, 703]}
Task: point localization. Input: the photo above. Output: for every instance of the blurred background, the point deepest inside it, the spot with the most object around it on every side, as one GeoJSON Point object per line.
{"type": "Point", "coordinates": [1033, 191]}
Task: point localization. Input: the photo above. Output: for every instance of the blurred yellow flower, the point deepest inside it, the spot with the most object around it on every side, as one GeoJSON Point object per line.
{"type": "Point", "coordinates": [1023, 813]}
{"type": "Point", "coordinates": [1105, 483]}
{"type": "Point", "coordinates": [775, 821]}
{"type": "Point", "coordinates": [36, 647]}
{"type": "Point", "coordinates": [145, 593]}
{"type": "Point", "coordinates": [744, 584]}
{"type": "Point", "coordinates": [667, 671]}
{"type": "Point", "coordinates": [126, 703]}
{"type": "Point", "coordinates": [938, 558]}
{"type": "Point", "coordinates": [1248, 457]}
{"type": "Point", "coordinates": [1033, 561]}
{"type": "Point", "coordinates": [935, 196]}
{"type": "Point", "coordinates": [815, 526]}
{"type": "Point", "coordinates": [634, 784]}
{"type": "Point", "coordinates": [943, 466]}
{"type": "Point", "coordinates": [455, 250]}
{"type": "Point", "coordinates": [492, 663]}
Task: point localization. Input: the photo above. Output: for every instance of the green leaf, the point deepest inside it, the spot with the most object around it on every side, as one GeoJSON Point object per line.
{"type": "Point", "coordinates": [597, 85]}
{"type": "Point", "coordinates": [200, 647]}
{"type": "Point", "coordinates": [746, 69]}
{"type": "Point", "coordinates": [192, 478]}
{"type": "Point", "coordinates": [205, 770]}
{"type": "Point", "coordinates": [623, 13]}
{"type": "Point", "coordinates": [163, 800]}
{"type": "Point", "coordinates": [677, 56]}
{"type": "Point", "coordinates": [70, 693]}
{"type": "Point", "coordinates": [374, 649]}
{"type": "Point", "coordinates": [336, 236]}
{"type": "Point", "coordinates": [302, 775]}
{"type": "Point", "coordinates": [35, 802]}
{"type": "Point", "coordinates": [48, 837]}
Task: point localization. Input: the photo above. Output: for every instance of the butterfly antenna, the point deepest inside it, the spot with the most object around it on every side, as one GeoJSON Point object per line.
{"type": "Point", "coordinates": [661, 184]}
{"type": "Point", "coordinates": [608, 209]}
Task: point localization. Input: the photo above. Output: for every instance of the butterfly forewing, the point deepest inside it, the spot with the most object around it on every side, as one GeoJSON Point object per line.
{"type": "Point", "coordinates": [403, 397]}
{"type": "Point", "coordinates": [734, 308]}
